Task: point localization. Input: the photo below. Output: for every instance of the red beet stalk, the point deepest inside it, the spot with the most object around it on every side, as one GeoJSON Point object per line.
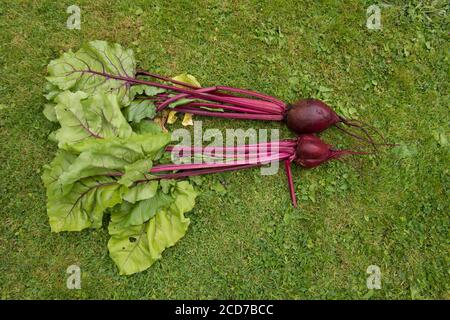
{"type": "Point", "coordinates": [307, 151]}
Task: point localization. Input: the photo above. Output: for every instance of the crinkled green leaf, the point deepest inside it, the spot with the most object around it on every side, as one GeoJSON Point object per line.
{"type": "Point", "coordinates": [115, 155]}
{"type": "Point", "coordinates": [136, 171]}
{"type": "Point", "coordinates": [50, 112]}
{"type": "Point", "coordinates": [136, 90]}
{"type": "Point", "coordinates": [167, 185]}
{"type": "Point", "coordinates": [169, 226]}
{"type": "Point", "coordinates": [86, 118]}
{"type": "Point", "coordinates": [62, 161]}
{"type": "Point", "coordinates": [135, 248]}
{"type": "Point", "coordinates": [153, 91]}
{"type": "Point", "coordinates": [146, 127]}
{"type": "Point", "coordinates": [52, 137]}
{"type": "Point", "coordinates": [141, 191]}
{"type": "Point", "coordinates": [142, 89]}
{"type": "Point", "coordinates": [80, 188]}
{"type": "Point", "coordinates": [87, 69]}
{"type": "Point", "coordinates": [184, 197]}
{"type": "Point", "coordinates": [84, 206]}
{"type": "Point", "coordinates": [139, 109]}
{"type": "Point", "coordinates": [51, 91]}
{"type": "Point", "coordinates": [164, 230]}
{"type": "Point", "coordinates": [130, 250]}
{"type": "Point", "coordinates": [132, 214]}
{"type": "Point", "coordinates": [150, 144]}
{"type": "Point", "coordinates": [144, 210]}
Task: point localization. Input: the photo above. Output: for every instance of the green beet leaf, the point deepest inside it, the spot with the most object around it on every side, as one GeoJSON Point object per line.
{"type": "Point", "coordinates": [142, 89]}
{"type": "Point", "coordinates": [141, 191]}
{"type": "Point", "coordinates": [151, 200]}
{"type": "Point", "coordinates": [136, 171]}
{"type": "Point", "coordinates": [135, 248]}
{"type": "Point", "coordinates": [139, 109]}
{"type": "Point", "coordinates": [146, 127]}
{"type": "Point", "coordinates": [81, 186]}
{"type": "Point", "coordinates": [50, 112]}
{"type": "Point", "coordinates": [130, 249]}
{"type": "Point", "coordinates": [84, 206]}
{"type": "Point", "coordinates": [130, 157]}
{"type": "Point", "coordinates": [88, 68]}
{"type": "Point", "coordinates": [105, 154]}
{"type": "Point", "coordinates": [84, 119]}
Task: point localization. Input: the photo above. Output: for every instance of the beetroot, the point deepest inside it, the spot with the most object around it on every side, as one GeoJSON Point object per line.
{"type": "Point", "coordinates": [302, 117]}
{"type": "Point", "coordinates": [307, 151]}
{"type": "Point", "coordinates": [312, 152]}
{"type": "Point", "coordinates": [313, 116]}
{"type": "Point", "coordinates": [310, 116]}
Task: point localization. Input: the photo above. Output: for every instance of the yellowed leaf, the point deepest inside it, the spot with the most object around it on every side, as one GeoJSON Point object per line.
{"type": "Point", "coordinates": [187, 120]}
{"type": "Point", "coordinates": [188, 78]}
{"type": "Point", "coordinates": [160, 122]}
{"type": "Point", "coordinates": [172, 118]}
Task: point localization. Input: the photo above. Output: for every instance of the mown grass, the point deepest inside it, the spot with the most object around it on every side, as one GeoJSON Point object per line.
{"type": "Point", "coordinates": [248, 242]}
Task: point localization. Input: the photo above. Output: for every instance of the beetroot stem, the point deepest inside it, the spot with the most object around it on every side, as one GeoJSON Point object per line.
{"type": "Point", "coordinates": [287, 164]}
{"type": "Point", "coordinates": [225, 88]}
{"type": "Point", "coordinates": [181, 96]}
{"type": "Point", "coordinates": [189, 166]}
{"type": "Point", "coordinates": [284, 143]}
{"type": "Point", "coordinates": [223, 106]}
{"type": "Point", "coordinates": [201, 94]}
{"type": "Point", "coordinates": [191, 173]}
{"type": "Point", "coordinates": [248, 150]}
{"type": "Point", "coordinates": [230, 115]}
{"type": "Point", "coordinates": [255, 94]}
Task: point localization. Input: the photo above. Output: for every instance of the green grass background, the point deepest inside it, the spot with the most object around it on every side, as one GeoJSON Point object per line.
{"type": "Point", "coordinates": [248, 241]}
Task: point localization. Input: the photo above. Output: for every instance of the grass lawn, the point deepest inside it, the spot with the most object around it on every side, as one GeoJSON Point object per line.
{"type": "Point", "coordinates": [248, 241]}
